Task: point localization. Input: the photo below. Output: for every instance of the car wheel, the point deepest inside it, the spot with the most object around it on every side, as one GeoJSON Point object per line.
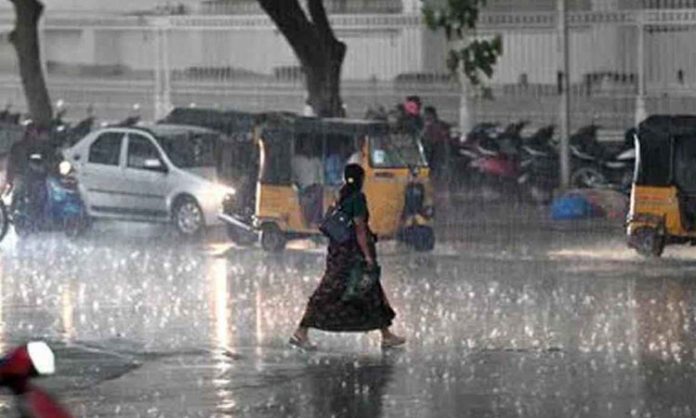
{"type": "Point", "coordinates": [188, 218]}
{"type": "Point", "coordinates": [272, 238]}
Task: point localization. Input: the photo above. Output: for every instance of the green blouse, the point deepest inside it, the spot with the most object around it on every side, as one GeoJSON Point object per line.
{"type": "Point", "coordinates": [355, 206]}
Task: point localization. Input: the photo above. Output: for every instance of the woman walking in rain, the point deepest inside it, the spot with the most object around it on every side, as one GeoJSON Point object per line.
{"type": "Point", "coordinates": [328, 308]}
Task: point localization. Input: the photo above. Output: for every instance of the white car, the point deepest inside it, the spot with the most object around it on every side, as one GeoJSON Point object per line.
{"type": "Point", "coordinates": [159, 173]}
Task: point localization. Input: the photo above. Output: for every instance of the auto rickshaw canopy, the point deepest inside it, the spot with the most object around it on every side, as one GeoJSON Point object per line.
{"type": "Point", "coordinates": [666, 152]}
{"type": "Point", "coordinates": [279, 133]}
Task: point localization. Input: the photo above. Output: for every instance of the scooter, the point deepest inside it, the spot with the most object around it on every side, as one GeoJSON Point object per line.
{"type": "Point", "coordinates": [539, 165]}
{"type": "Point", "coordinates": [497, 163]}
{"type": "Point", "coordinates": [48, 201]}
{"type": "Point", "coordinates": [18, 368]}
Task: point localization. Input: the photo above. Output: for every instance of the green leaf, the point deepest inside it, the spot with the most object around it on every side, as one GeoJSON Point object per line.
{"type": "Point", "coordinates": [458, 19]}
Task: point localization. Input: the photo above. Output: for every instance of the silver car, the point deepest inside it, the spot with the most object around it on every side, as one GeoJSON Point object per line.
{"type": "Point", "coordinates": [160, 173]}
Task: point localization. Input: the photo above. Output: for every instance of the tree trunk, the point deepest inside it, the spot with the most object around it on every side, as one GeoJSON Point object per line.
{"type": "Point", "coordinates": [465, 122]}
{"type": "Point", "coordinates": [320, 54]}
{"type": "Point", "coordinates": [25, 38]}
{"type": "Point", "coordinates": [323, 77]}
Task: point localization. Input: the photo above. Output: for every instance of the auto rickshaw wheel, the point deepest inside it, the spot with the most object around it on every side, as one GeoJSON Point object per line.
{"type": "Point", "coordinates": [272, 238]}
{"type": "Point", "coordinates": [421, 238]}
{"type": "Point", "coordinates": [648, 241]}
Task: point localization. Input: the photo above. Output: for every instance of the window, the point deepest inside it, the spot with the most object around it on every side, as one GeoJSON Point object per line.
{"type": "Point", "coordinates": [106, 149]}
{"type": "Point", "coordinates": [140, 149]}
{"type": "Point", "coordinates": [396, 151]}
{"type": "Point", "coordinates": [190, 149]}
{"type": "Point", "coordinates": [685, 163]}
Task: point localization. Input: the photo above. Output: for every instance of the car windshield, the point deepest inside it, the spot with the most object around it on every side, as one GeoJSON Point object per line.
{"type": "Point", "coordinates": [190, 149]}
{"type": "Point", "coordinates": [396, 150]}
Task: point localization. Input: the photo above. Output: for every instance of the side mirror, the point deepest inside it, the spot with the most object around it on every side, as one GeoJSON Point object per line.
{"type": "Point", "coordinates": [154, 164]}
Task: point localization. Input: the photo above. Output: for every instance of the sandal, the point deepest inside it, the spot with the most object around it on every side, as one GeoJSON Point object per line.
{"type": "Point", "coordinates": [302, 344]}
{"type": "Point", "coordinates": [393, 342]}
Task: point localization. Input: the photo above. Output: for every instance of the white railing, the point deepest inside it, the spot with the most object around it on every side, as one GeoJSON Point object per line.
{"type": "Point", "coordinates": [488, 21]}
{"type": "Point", "coordinates": [387, 45]}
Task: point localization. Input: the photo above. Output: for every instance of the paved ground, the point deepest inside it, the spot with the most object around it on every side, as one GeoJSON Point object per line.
{"type": "Point", "coordinates": [512, 316]}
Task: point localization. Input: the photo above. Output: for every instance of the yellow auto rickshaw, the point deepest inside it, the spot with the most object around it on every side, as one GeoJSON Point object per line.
{"type": "Point", "coordinates": [302, 154]}
{"type": "Point", "coordinates": [663, 196]}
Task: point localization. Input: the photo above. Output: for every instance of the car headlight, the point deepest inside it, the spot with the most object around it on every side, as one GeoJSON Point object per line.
{"type": "Point", "coordinates": [215, 195]}
{"type": "Point", "coordinates": [64, 168]}
{"type": "Point", "coordinates": [224, 192]}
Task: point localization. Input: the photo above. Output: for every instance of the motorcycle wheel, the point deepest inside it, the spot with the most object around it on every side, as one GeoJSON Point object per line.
{"type": "Point", "coordinates": [587, 177]}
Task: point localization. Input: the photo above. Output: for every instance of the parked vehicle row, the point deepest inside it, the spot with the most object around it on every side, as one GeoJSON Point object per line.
{"type": "Point", "coordinates": [169, 172]}
{"type": "Point", "coordinates": [504, 158]}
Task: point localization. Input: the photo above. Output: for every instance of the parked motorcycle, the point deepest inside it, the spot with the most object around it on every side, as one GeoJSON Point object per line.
{"type": "Point", "coordinates": [48, 201]}
{"type": "Point", "coordinates": [18, 368]}
{"type": "Point", "coordinates": [8, 117]}
{"type": "Point", "coordinates": [539, 165]}
{"type": "Point", "coordinates": [594, 166]}
{"type": "Point", "coordinates": [63, 134]}
{"type": "Point", "coordinates": [499, 158]}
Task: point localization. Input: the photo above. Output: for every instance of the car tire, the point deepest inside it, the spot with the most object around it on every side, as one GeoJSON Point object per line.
{"type": "Point", "coordinates": [273, 240]}
{"type": "Point", "coordinates": [188, 218]}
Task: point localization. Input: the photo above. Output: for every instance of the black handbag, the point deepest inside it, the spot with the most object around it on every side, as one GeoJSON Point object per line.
{"type": "Point", "coordinates": [337, 225]}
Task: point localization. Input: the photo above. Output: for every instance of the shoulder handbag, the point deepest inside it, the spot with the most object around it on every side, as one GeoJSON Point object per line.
{"type": "Point", "coordinates": [337, 225]}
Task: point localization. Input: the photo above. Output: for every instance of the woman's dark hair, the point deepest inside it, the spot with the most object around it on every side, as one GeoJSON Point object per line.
{"type": "Point", "coordinates": [353, 176]}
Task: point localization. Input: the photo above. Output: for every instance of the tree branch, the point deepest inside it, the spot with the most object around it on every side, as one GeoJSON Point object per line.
{"type": "Point", "coordinates": [292, 22]}
{"type": "Point", "coordinates": [321, 21]}
{"type": "Point", "coordinates": [25, 39]}
{"type": "Point", "coordinates": [32, 9]}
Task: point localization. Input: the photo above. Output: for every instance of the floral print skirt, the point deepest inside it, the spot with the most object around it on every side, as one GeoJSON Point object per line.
{"type": "Point", "coordinates": [326, 311]}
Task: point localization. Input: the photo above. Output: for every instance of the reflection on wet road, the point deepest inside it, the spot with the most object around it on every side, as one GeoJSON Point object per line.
{"type": "Point", "coordinates": [563, 327]}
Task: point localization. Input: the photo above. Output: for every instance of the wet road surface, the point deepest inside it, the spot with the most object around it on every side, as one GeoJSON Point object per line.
{"type": "Point", "coordinates": [502, 322]}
